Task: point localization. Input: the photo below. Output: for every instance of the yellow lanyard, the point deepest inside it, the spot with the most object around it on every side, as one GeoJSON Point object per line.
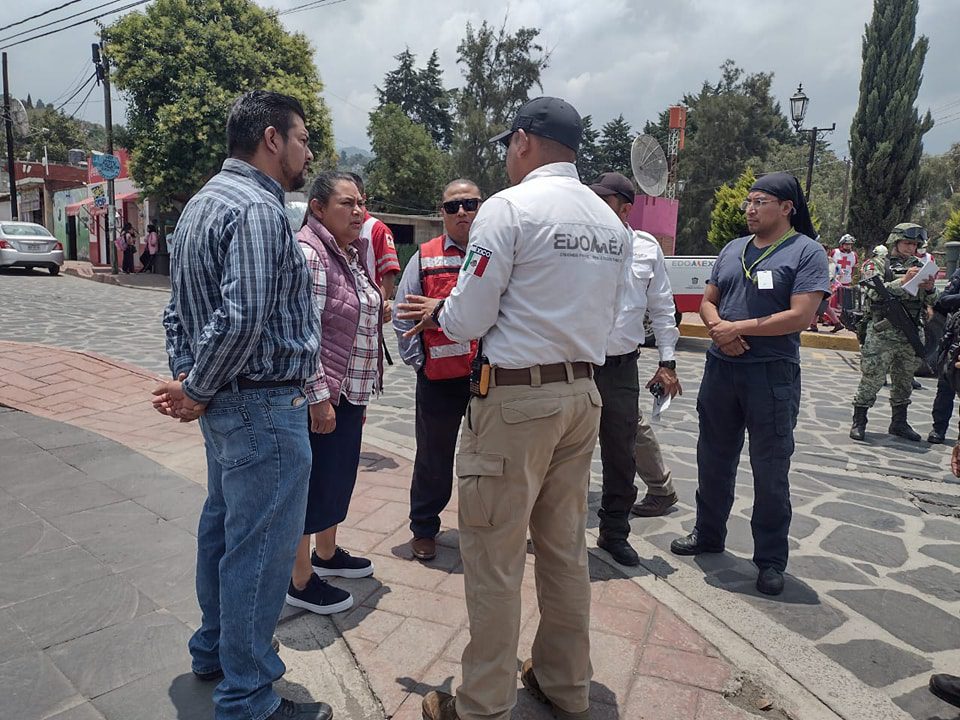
{"type": "Point", "coordinates": [748, 271]}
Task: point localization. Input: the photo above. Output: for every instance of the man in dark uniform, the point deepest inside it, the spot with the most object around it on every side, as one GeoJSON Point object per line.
{"type": "Point", "coordinates": [764, 289]}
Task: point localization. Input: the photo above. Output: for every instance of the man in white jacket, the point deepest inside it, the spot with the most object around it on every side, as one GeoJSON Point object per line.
{"type": "Point", "coordinates": [627, 443]}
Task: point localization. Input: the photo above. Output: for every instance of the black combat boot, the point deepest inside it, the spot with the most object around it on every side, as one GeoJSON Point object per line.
{"type": "Point", "coordinates": [859, 427]}
{"type": "Point", "coordinates": [899, 425]}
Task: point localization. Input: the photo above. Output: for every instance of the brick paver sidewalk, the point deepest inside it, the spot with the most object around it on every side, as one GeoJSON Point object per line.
{"type": "Point", "coordinates": [408, 627]}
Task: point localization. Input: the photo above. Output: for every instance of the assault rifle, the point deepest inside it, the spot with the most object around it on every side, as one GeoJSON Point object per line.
{"type": "Point", "coordinates": [896, 314]}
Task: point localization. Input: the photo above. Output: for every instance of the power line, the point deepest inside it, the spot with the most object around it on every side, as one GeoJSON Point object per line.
{"type": "Point", "coordinates": [73, 84]}
{"type": "Point", "coordinates": [34, 17]}
{"type": "Point", "coordinates": [310, 6]}
{"type": "Point", "coordinates": [79, 89]}
{"type": "Point", "coordinates": [79, 22]}
{"type": "Point", "coordinates": [58, 20]}
{"type": "Point", "coordinates": [83, 102]}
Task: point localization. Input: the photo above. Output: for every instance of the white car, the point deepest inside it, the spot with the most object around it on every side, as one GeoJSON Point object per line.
{"type": "Point", "coordinates": [29, 245]}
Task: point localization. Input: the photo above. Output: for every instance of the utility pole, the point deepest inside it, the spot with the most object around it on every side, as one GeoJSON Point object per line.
{"type": "Point", "coordinates": [102, 63]}
{"type": "Point", "coordinates": [8, 127]}
{"type": "Point", "coordinates": [846, 192]}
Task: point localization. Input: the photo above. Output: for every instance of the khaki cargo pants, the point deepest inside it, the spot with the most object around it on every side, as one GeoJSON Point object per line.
{"type": "Point", "coordinates": [524, 461]}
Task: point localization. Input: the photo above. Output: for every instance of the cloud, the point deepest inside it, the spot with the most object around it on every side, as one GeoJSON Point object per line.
{"type": "Point", "coordinates": [618, 56]}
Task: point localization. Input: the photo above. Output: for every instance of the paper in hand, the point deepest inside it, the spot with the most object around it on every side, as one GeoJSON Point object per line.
{"type": "Point", "coordinates": [929, 270]}
{"type": "Point", "coordinates": [660, 403]}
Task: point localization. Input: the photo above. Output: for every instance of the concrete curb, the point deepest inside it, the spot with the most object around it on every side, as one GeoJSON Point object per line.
{"type": "Point", "coordinates": [822, 341]}
{"type": "Point", "coordinates": [85, 271]}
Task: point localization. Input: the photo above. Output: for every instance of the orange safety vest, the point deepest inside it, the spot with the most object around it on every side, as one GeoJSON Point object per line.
{"type": "Point", "coordinates": [439, 267]}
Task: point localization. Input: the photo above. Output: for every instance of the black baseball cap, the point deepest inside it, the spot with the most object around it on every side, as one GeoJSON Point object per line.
{"type": "Point", "coordinates": [613, 183]}
{"type": "Point", "coordinates": [547, 117]}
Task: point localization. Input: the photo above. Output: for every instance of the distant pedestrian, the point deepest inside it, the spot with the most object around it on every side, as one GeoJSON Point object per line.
{"type": "Point", "coordinates": [442, 366]}
{"type": "Point", "coordinates": [127, 245]}
{"type": "Point", "coordinates": [151, 246]}
{"type": "Point", "coordinates": [243, 338]}
{"type": "Point", "coordinates": [763, 291]}
{"type": "Point", "coordinates": [349, 305]}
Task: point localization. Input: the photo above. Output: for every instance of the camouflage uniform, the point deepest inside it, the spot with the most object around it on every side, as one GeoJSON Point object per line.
{"type": "Point", "coordinates": [886, 349]}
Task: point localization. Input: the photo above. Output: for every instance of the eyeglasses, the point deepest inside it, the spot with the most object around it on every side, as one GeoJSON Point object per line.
{"type": "Point", "coordinates": [913, 233]}
{"type": "Point", "coordinates": [755, 204]}
{"type": "Point", "coordinates": [452, 207]}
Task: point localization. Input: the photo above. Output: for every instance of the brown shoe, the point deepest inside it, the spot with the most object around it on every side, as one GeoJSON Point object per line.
{"type": "Point", "coordinates": [439, 706]}
{"type": "Point", "coordinates": [654, 505]}
{"type": "Point", "coordinates": [529, 681]}
{"type": "Point", "coordinates": [424, 548]}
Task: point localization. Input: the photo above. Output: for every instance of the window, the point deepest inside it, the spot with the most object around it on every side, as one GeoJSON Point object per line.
{"type": "Point", "coordinates": [24, 230]}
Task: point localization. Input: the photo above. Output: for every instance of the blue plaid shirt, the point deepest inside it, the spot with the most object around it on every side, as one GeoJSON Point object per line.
{"type": "Point", "coordinates": [240, 304]}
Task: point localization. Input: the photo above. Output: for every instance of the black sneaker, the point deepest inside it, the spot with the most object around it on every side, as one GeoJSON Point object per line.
{"type": "Point", "coordinates": [319, 597]}
{"type": "Point", "coordinates": [289, 710]}
{"type": "Point", "coordinates": [342, 564]}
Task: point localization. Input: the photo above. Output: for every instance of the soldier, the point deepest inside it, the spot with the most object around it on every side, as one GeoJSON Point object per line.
{"type": "Point", "coordinates": [887, 348]}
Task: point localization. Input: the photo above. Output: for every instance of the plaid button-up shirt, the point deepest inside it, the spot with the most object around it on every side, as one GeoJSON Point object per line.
{"type": "Point", "coordinates": [240, 304]}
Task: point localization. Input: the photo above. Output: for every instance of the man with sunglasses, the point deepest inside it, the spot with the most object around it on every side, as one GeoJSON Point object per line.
{"type": "Point", "coordinates": [886, 349]}
{"type": "Point", "coordinates": [764, 289]}
{"type": "Point", "coordinates": [442, 366]}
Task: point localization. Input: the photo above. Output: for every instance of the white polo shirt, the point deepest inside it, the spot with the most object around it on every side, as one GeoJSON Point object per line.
{"type": "Point", "coordinates": [543, 275]}
{"type": "Point", "coordinates": [647, 291]}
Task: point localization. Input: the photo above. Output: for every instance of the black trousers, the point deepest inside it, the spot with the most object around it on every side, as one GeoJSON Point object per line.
{"type": "Point", "coordinates": [942, 406]}
{"type": "Point", "coordinates": [619, 385]}
{"type": "Point", "coordinates": [441, 405]}
{"type": "Point", "coordinates": [763, 399]}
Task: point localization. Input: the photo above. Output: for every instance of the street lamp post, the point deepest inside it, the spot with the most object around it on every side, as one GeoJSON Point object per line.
{"type": "Point", "coordinates": [798, 110]}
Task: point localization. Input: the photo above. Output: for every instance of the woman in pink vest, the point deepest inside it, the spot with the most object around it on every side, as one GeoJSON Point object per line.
{"type": "Point", "coordinates": [350, 308]}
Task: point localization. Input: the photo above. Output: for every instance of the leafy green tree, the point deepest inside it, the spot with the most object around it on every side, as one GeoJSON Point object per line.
{"type": "Point", "coordinates": [887, 131]}
{"type": "Point", "coordinates": [421, 95]}
{"type": "Point", "coordinates": [182, 63]}
{"type": "Point", "coordinates": [728, 124]}
{"type": "Point", "coordinates": [409, 171]}
{"type": "Point", "coordinates": [727, 220]}
{"type": "Point", "coordinates": [951, 230]}
{"type": "Point", "coordinates": [588, 159]}
{"type": "Point", "coordinates": [55, 130]}
{"type": "Point", "coordinates": [500, 68]}
{"type": "Point", "coordinates": [616, 139]}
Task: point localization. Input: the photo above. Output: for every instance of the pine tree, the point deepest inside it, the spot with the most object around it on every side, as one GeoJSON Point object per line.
{"type": "Point", "coordinates": [616, 139]}
{"type": "Point", "coordinates": [28, 103]}
{"type": "Point", "coordinates": [887, 131]}
{"type": "Point", "coordinates": [588, 160]}
{"type": "Point", "coordinates": [421, 95]}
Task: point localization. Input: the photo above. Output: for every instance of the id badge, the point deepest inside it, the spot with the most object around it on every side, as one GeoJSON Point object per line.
{"type": "Point", "coordinates": [765, 279]}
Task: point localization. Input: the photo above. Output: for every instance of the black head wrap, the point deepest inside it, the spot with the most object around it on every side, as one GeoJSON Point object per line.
{"type": "Point", "coordinates": [785, 186]}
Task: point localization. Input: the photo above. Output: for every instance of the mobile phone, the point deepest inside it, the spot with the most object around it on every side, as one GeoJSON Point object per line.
{"type": "Point", "coordinates": [657, 390]}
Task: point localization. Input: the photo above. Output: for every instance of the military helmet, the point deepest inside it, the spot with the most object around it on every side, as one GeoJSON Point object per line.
{"type": "Point", "coordinates": [906, 231]}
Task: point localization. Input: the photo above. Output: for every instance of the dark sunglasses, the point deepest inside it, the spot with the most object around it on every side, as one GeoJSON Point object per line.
{"type": "Point", "coordinates": [914, 233]}
{"type": "Point", "coordinates": [452, 207]}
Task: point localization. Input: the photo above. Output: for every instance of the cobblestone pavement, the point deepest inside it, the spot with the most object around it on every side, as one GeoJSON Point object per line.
{"type": "Point", "coordinates": [873, 591]}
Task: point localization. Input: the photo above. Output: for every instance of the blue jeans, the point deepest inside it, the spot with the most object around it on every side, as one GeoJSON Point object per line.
{"type": "Point", "coordinates": [762, 399]}
{"type": "Point", "coordinates": [258, 469]}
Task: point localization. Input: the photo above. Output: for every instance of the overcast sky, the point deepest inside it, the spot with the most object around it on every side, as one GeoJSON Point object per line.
{"type": "Point", "coordinates": [607, 56]}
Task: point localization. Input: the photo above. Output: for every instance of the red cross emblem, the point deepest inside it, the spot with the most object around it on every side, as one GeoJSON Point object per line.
{"type": "Point", "coordinates": [844, 262]}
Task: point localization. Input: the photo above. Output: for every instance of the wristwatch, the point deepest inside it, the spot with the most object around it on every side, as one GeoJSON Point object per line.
{"type": "Point", "coordinates": [435, 315]}
{"type": "Point", "coordinates": [668, 364]}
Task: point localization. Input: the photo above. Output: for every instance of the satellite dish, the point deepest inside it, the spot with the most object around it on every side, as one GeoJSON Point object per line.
{"type": "Point", "coordinates": [649, 165]}
{"type": "Point", "coordinates": [18, 116]}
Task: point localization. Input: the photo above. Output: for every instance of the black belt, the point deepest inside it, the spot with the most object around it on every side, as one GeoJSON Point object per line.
{"type": "Point", "coordinates": [618, 360]}
{"type": "Point", "coordinates": [548, 374]}
{"type": "Point", "coordinates": [244, 383]}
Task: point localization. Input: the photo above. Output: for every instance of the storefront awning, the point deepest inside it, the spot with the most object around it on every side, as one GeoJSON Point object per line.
{"type": "Point", "coordinates": [74, 209]}
{"type": "Point", "coordinates": [128, 197]}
